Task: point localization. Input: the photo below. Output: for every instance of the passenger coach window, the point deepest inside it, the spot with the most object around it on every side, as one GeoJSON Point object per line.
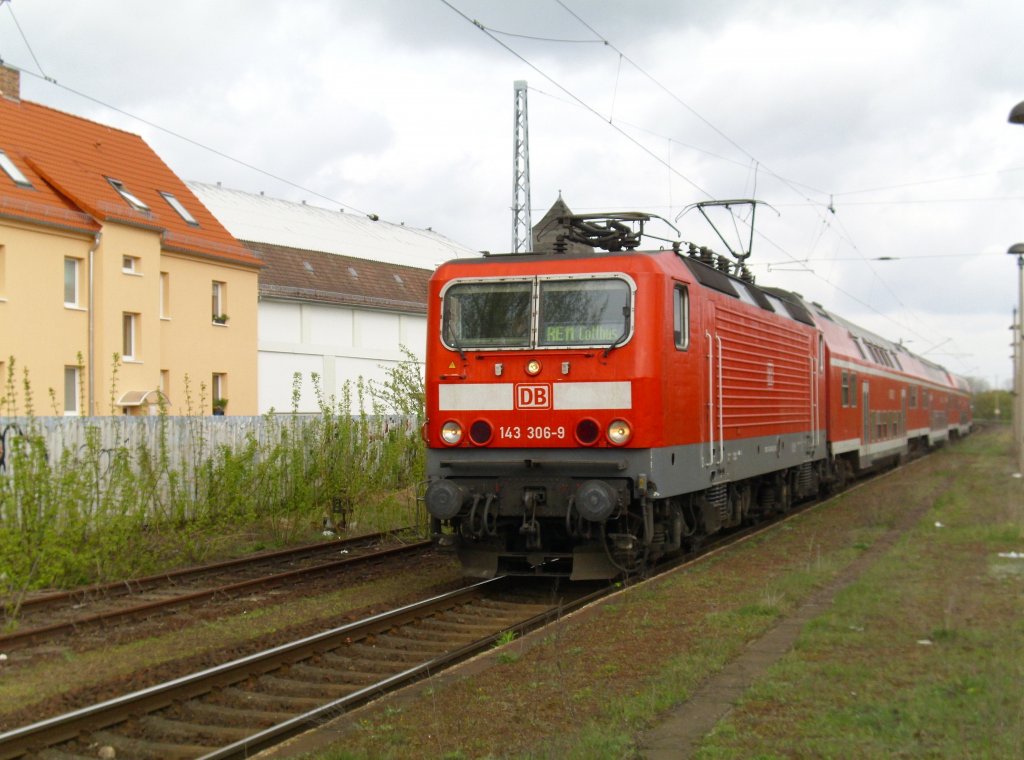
{"type": "Point", "coordinates": [681, 317]}
{"type": "Point", "coordinates": [488, 315]}
{"type": "Point", "coordinates": [583, 312]}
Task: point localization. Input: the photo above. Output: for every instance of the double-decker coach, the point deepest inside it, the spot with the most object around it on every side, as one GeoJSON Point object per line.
{"type": "Point", "coordinates": [589, 412]}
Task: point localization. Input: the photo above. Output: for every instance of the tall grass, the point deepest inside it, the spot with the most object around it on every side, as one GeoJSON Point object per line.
{"type": "Point", "coordinates": [95, 514]}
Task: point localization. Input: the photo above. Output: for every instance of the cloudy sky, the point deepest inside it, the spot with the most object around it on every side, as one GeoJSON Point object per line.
{"type": "Point", "coordinates": [875, 129]}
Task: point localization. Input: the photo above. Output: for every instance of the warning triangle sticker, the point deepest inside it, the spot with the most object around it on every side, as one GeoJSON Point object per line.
{"type": "Point", "coordinates": [452, 365]}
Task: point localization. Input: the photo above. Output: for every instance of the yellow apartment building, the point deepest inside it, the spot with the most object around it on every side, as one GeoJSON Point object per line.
{"type": "Point", "coordinates": [104, 253]}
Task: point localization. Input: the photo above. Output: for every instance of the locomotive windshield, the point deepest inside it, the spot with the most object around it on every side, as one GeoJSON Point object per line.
{"type": "Point", "coordinates": [488, 315]}
{"type": "Point", "coordinates": [583, 312]}
{"type": "Point", "coordinates": [544, 313]}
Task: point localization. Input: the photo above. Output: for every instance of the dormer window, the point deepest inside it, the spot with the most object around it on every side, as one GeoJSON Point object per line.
{"type": "Point", "coordinates": [134, 201]}
{"type": "Point", "coordinates": [180, 208]}
{"type": "Point", "coordinates": [13, 171]}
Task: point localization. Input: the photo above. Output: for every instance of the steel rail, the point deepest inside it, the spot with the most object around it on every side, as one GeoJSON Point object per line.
{"type": "Point", "coordinates": [61, 728]}
{"type": "Point", "coordinates": [17, 638]}
{"type": "Point", "coordinates": [79, 723]}
{"type": "Point", "coordinates": [134, 585]}
{"type": "Point", "coordinates": [276, 734]}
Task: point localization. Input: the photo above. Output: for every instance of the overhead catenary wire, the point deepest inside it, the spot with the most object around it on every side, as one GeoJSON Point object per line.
{"type": "Point", "coordinates": [427, 234]}
{"type": "Point", "coordinates": [487, 31]}
{"type": "Point", "coordinates": [842, 232]}
{"type": "Point", "coordinates": [434, 237]}
{"type": "Point", "coordinates": [196, 143]}
{"type": "Point", "coordinates": [812, 192]}
{"type": "Point", "coordinates": [31, 52]}
{"type": "Point", "coordinates": [42, 75]}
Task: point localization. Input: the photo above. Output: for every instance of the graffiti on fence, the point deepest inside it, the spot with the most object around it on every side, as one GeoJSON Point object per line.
{"type": "Point", "coordinates": [105, 458]}
{"type": "Point", "coordinates": [12, 429]}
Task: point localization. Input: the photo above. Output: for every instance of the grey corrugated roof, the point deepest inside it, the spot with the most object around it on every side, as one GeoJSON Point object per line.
{"type": "Point", "coordinates": [261, 219]}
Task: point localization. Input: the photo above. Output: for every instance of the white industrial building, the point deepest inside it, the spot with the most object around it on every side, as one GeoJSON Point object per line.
{"type": "Point", "coordinates": [340, 293]}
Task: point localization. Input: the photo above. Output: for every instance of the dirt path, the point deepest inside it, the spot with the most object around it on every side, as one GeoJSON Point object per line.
{"type": "Point", "coordinates": [681, 731]}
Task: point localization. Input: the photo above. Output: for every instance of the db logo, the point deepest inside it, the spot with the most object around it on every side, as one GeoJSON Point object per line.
{"type": "Point", "coordinates": [533, 396]}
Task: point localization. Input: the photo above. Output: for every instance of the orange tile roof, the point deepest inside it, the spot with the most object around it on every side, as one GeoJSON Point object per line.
{"type": "Point", "coordinates": [68, 160]}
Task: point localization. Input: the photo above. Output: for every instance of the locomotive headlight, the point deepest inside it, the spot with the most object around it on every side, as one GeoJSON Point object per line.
{"type": "Point", "coordinates": [619, 432]}
{"type": "Point", "coordinates": [533, 367]}
{"type": "Point", "coordinates": [451, 432]}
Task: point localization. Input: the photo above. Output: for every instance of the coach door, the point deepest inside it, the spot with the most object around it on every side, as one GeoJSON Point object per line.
{"type": "Point", "coordinates": [866, 408]}
{"type": "Point", "coordinates": [903, 416]}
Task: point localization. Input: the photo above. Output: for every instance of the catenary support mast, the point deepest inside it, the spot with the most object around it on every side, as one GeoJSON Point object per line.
{"type": "Point", "coordinates": [522, 229]}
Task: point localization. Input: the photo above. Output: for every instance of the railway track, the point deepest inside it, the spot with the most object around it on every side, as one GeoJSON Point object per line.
{"type": "Point", "coordinates": [46, 616]}
{"type": "Point", "coordinates": [236, 709]}
{"type": "Point", "coordinates": [240, 707]}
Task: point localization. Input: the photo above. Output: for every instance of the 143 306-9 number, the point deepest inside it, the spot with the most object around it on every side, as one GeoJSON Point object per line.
{"type": "Point", "coordinates": [531, 432]}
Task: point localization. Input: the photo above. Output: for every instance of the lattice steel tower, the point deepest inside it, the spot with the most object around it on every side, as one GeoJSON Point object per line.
{"type": "Point", "coordinates": [522, 229]}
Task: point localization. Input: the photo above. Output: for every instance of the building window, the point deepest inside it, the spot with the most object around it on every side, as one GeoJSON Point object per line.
{"type": "Point", "coordinates": [165, 295]}
{"type": "Point", "coordinates": [129, 335]}
{"type": "Point", "coordinates": [220, 291]}
{"type": "Point", "coordinates": [72, 378]}
{"type": "Point", "coordinates": [681, 317]}
{"type": "Point", "coordinates": [165, 384]}
{"type": "Point", "coordinates": [71, 270]}
{"type": "Point", "coordinates": [133, 200]}
{"type": "Point", "coordinates": [130, 264]}
{"type": "Point", "coordinates": [218, 391]}
{"type": "Point", "coordinates": [177, 206]}
{"type": "Point", "coordinates": [13, 171]}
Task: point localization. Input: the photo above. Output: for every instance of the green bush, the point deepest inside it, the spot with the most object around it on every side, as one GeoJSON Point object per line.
{"type": "Point", "coordinates": [96, 514]}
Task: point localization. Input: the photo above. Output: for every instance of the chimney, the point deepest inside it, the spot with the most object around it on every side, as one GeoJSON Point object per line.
{"type": "Point", "coordinates": [10, 82]}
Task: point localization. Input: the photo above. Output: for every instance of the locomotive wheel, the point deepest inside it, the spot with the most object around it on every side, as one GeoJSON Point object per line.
{"type": "Point", "coordinates": [839, 483]}
{"type": "Point", "coordinates": [784, 491]}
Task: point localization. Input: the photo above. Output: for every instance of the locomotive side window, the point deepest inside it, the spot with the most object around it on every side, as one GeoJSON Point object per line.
{"type": "Point", "coordinates": [681, 317]}
{"type": "Point", "coordinates": [583, 312]}
{"type": "Point", "coordinates": [488, 314]}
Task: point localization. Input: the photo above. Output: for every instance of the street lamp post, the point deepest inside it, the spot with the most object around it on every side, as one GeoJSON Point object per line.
{"type": "Point", "coordinates": [1017, 117]}
{"type": "Point", "coordinates": [1017, 249]}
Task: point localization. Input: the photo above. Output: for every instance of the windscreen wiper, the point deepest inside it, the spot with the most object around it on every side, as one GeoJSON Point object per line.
{"type": "Point", "coordinates": [622, 338]}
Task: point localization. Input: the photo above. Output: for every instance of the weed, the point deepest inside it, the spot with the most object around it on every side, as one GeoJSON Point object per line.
{"type": "Point", "coordinates": [96, 513]}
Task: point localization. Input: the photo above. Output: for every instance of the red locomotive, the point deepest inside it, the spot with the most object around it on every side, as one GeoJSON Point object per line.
{"type": "Point", "coordinates": [588, 412]}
